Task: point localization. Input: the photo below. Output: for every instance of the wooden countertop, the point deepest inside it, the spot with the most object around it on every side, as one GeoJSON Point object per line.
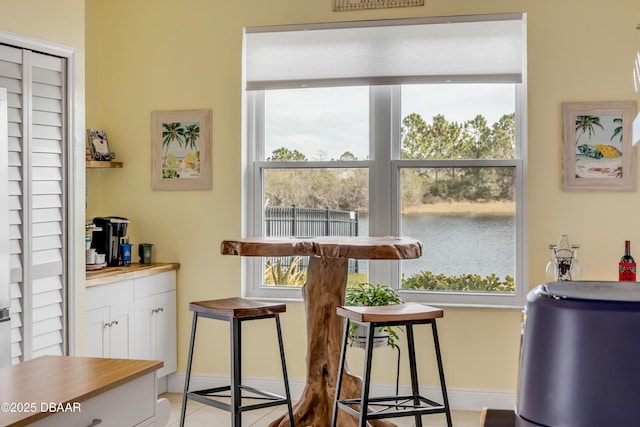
{"type": "Point", "coordinates": [63, 379]}
{"type": "Point", "coordinates": [118, 274]}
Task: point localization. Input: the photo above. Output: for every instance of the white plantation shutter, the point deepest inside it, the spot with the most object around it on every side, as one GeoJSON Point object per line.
{"type": "Point", "coordinates": [36, 91]}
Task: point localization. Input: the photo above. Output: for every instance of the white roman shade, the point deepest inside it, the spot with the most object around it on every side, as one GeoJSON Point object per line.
{"type": "Point", "coordinates": [458, 49]}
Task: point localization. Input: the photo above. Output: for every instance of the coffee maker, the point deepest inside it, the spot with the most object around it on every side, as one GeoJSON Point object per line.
{"type": "Point", "coordinates": [107, 238]}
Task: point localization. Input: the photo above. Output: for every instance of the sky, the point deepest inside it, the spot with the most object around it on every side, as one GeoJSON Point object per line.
{"type": "Point", "coordinates": [329, 122]}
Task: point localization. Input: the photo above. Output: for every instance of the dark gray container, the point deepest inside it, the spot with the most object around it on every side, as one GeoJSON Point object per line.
{"type": "Point", "coordinates": [580, 356]}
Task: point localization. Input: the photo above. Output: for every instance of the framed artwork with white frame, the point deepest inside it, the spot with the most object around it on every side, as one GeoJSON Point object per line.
{"type": "Point", "coordinates": [181, 150]}
{"type": "Point", "coordinates": [597, 153]}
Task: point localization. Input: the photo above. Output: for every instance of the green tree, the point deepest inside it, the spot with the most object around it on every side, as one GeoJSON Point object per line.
{"type": "Point", "coordinates": [348, 155]}
{"type": "Point", "coordinates": [503, 137]}
{"type": "Point", "coordinates": [586, 124]}
{"type": "Point", "coordinates": [191, 135]}
{"type": "Point", "coordinates": [439, 140]}
{"type": "Point", "coordinates": [473, 139]}
{"type": "Point", "coordinates": [172, 132]}
{"type": "Point", "coordinates": [478, 143]}
{"type": "Point", "coordinates": [286, 154]}
{"type": "Point", "coordinates": [618, 129]}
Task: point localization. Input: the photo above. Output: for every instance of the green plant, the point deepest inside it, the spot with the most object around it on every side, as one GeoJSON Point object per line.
{"type": "Point", "coordinates": [276, 274]}
{"type": "Point", "coordinates": [427, 281]}
{"type": "Point", "coordinates": [369, 295]}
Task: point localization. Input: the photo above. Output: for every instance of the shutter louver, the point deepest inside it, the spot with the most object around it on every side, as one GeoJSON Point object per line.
{"type": "Point", "coordinates": [47, 207]}
{"type": "Point", "coordinates": [36, 92]}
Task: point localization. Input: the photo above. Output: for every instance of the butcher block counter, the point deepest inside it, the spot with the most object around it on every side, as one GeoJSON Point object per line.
{"type": "Point", "coordinates": [68, 391]}
{"type": "Point", "coordinates": [135, 270]}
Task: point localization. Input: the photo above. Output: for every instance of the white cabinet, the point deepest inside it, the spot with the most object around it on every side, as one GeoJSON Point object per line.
{"type": "Point", "coordinates": [72, 391]}
{"type": "Point", "coordinates": [134, 319]}
{"type": "Point", "coordinates": [110, 320]}
{"type": "Point", "coordinates": [135, 402]}
{"type": "Point", "coordinates": [155, 320]}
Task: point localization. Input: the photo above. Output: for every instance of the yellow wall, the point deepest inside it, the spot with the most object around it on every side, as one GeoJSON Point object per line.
{"type": "Point", "coordinates": [61, 22]}
{"type": "Point", "coordinates": [148, 55]}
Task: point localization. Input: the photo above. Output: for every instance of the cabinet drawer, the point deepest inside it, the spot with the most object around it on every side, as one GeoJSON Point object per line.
{"type": "Point", "coordinates": [155, 284]}
{"type": "Point", "coordinates": [113, 293]}
{"type": "Point", "coordinates": [127, 405]}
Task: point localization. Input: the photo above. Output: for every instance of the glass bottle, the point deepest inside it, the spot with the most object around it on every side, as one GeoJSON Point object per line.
{"type": "Point", "coordinates": [627, 265]}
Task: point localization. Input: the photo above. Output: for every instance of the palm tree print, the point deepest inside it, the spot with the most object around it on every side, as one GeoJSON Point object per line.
{"type": "Point", "coordinates": [171, 132]}
{"type": "Point", "coordinates": [586, 124]}
{"type": "Point", "coordinates": [191, 135]}
{"type": "Point", "coordinates": [182, 161]}
{"type": "Point", "coordinates": [618, 129]}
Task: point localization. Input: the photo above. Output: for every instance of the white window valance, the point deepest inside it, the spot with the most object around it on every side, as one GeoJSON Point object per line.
{"type": "Point", "coordinates": [458, 49]}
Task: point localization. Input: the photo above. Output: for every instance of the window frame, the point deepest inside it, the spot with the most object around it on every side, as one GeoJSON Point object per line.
{"type": "Point", "coordinates": [384, 166]}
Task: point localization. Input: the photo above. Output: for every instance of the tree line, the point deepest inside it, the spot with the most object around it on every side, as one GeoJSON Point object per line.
{"type": "Point", "coordinates": [347, 189]}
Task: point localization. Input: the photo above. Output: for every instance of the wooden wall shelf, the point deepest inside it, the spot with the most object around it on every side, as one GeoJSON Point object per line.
{"type": "Point", "coordinates": [108, 165]}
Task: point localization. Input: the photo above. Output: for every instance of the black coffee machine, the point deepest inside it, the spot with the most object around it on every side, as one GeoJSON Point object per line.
{"type": "Point", "coordinates": [107, 239]}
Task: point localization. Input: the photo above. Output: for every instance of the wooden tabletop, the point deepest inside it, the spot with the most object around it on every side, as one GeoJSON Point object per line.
{"type": "Point", "coordinates": [388, 247]}
{"type": "Point", "coordinates": [64, 379]}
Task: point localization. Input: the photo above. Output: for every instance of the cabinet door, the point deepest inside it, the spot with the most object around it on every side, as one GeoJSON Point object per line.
{"type": "Point", "coordinates": [166, 349]}
{"type": "Point", "coordinates": [97, 336]}
{"type": "Point", "coordinates": [108, 331]}
{"type": "Point", "coordinates": [155, 330]}
{"type": "Point", "coordinates": [144, 330]}
{"type": "Point", "coordinates": [120, 337]}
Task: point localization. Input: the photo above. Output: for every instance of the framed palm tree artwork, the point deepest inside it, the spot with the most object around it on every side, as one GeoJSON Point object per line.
{"type": "Point", "coordinates": [181, 150]}
{"type": "Point", "coordinates": [597, 153]}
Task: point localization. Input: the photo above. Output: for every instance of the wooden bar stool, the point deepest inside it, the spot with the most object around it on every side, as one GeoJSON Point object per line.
{"type": "Point", "coordinates": [375, 408]}
{"type": "Point", "coordinates": [235, 311]}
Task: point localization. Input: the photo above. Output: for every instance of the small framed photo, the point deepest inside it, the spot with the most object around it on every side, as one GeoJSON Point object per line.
{"type": "Point", "coordinates": [181, 150]}
{"type": "Point", "coordinates": [99, 145]}
{"type": "Point", "coordinates": [597, 153]}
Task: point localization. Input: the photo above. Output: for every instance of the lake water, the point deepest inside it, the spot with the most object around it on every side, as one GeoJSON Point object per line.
{"type": "Point", "coordinates": [457, 244]}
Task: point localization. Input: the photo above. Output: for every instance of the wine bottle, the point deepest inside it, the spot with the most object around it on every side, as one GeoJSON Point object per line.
{"type": "Point", "coordinates": [627, 265]}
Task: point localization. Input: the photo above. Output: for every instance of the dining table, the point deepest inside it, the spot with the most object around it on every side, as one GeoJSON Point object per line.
{"type": "Point", "coordinates": [323, 291]}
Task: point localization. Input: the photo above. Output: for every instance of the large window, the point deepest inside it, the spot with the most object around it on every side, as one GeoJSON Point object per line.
{"type": "Point", "coordinates": [438, 157]}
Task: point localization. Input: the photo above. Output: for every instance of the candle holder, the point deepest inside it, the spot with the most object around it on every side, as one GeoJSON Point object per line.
{"type": "Point", "coordinates": [563, 265]}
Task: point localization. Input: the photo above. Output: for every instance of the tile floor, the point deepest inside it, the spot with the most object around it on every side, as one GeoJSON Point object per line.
{"type": "Point", "coordinates": [206, 416]}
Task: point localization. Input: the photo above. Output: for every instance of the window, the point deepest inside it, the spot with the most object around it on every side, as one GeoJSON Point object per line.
{"type": "Point", "coordinates": [432, 152]}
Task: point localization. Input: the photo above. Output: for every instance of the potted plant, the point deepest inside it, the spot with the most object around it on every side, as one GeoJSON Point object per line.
{"type": "Point", "coordinates": [368, 294]}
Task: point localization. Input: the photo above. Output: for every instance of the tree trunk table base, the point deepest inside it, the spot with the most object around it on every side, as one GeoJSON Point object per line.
{"type": "Point", "coordinates": [322, 293]}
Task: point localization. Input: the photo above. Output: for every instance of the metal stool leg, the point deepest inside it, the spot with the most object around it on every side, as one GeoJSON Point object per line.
{"type": "Point", "coordinates": [236, 372]}
{"type": "Point", "coordinates": [443, 386]}
{"type": "Point", "coordinates": [415, 389]}
{"type": "Point", "coordinates": [398, 372]}
{"type": "Point", "coordinates": [345, 338]}
{"type": "Point", "coordinates": [183, 410]}
{"type": "Point", "coordinates": [366, 380]}
{"type": "Point", "coordinates": [284, 372]}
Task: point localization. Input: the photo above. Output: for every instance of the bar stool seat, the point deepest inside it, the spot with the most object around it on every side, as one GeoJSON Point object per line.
{"type": "Point", "coordinates": [235, 311]}
{"type": "Point", "coordinates": [374, 408]}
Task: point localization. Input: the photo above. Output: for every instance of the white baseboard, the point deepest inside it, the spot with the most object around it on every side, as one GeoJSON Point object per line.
{"type": "Point", "coordinates": [463, 399]}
